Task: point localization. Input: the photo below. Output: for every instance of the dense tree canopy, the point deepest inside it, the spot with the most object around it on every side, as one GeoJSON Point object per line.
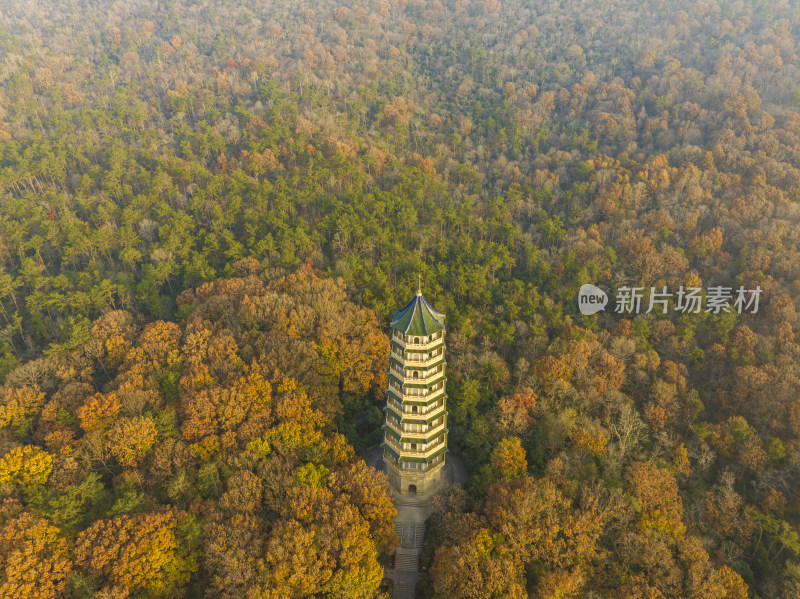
{"type": "Point", "coordinates": [194, 461]}
{"type": "Point", "coordinates": [208, 211]}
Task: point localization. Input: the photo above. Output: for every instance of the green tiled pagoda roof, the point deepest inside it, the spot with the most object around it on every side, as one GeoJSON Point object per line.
{"type": "Point", "coordinates": [418, 318]}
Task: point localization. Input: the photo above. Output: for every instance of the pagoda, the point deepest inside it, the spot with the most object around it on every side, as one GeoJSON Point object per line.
{"type": "Point", "coordinates": [415, 430]}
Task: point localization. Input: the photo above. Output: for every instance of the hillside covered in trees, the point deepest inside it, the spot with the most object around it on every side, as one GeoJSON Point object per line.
{"type": "Point", "coordinates": [209, 209]}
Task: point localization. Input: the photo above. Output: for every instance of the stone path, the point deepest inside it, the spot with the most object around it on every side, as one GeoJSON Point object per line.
{"type": "Point", "coordinates": [410, 526]}
{"type": "Point", "coordinates": [412, 512]}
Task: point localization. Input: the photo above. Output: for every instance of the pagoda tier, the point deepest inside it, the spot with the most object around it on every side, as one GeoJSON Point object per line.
{"type": "Point", "coordinates": [415, 429]}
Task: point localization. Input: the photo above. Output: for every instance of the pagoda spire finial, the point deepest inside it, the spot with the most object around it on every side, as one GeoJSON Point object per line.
{"type": "Point", "coordinates": [419, 284]}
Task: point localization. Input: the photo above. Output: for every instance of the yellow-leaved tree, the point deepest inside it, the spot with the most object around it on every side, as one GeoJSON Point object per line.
{"type": "Point", "coordinates": [25, 469]}
{"type": "Point", "coordinates": [146, 554]}
{"type": "Point", "coordinates": [34, 558]}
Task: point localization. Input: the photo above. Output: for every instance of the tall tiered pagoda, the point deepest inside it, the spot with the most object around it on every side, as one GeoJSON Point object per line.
{"type": "Point", "coordinates": [415, 431]}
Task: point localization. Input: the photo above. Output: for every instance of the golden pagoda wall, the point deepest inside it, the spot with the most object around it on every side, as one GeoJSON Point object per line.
{"type": "Point", "coordinates": [415, 428]}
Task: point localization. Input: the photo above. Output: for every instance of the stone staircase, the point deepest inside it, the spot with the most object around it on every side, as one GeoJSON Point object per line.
{"type": "Point", "coordinates": [411, 531]}
{"type": "Point", "coordinates": [406, 560]}
{"type": "Point", "coordinates": [404, 591]}
{"type": "Point", "coordinates": [412, 534]}
{"type": "Point", "coordinates": [412, 511]}
{"type": "Point", "coordinates": [419, 535]}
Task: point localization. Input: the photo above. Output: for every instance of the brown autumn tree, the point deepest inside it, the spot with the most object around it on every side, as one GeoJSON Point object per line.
{"type": "Point", "coordinates": [130, 439]}
{"type": "Point", "coordinates": [483, 566]}
{"type": "Point", "coordinates": [35, 560]}
{"type": "Point", "coordinates": [146, 553]}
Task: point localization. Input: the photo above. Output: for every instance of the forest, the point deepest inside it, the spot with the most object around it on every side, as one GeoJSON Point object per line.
{"type": "Point", "coordinates": [209, 210]}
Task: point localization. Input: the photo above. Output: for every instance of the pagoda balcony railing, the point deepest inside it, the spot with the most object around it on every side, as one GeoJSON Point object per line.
{"type": "Point", "coordinates": [421, 411]}
{"type": "Point", "coordinates": [417, 363]}
{"type": "Point", "coordinates": [432, 394]}
{"type": "Point", "coordinates": [405, 375]}
{"type": "Point", "coordinates": [410, 345]}
{"type": "Point", "coordinates": [414, 453]}
{"type": "Point", "coordinates": [426, 467]}
{"type": "Point", "coordinates": [439, 428]}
